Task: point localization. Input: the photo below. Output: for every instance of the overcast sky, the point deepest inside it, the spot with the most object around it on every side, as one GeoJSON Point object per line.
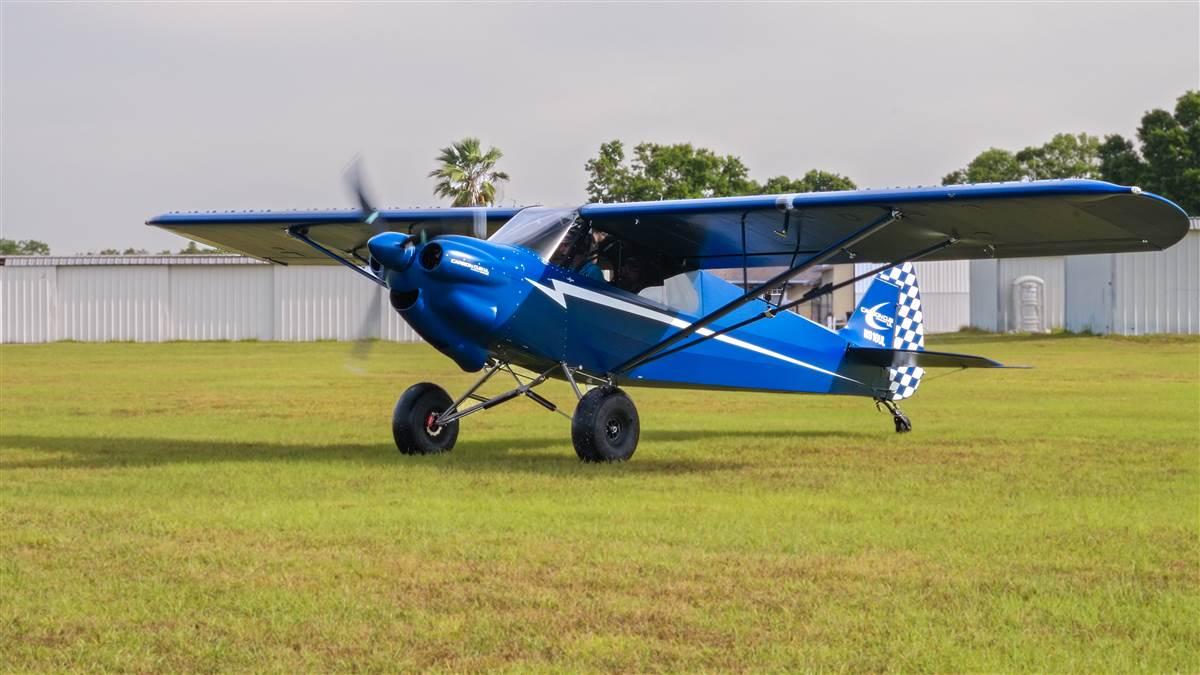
{"type": "Point", "coordinates": [112, 113]}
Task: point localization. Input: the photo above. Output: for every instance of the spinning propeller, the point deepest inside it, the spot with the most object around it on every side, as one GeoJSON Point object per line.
{"type": "Point", "coordinates": [373, 218]}
{"type": "Point", "coordinates": [371, 215]}
{"type": "Point", "coordinates": [395, 252]}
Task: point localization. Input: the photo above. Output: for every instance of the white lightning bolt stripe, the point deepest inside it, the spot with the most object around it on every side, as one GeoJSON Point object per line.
{"type": "Point", "coordinates": [556, 296]}
{"type": "Point", "coordinates": [561, 290]}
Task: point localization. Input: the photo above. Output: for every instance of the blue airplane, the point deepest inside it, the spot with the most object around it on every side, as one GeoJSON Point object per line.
{"type": "Point", "coordinates": [557, 292]}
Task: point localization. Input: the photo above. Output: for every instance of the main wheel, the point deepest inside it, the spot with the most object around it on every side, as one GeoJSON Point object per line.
{"type": "Point", "coordinates": [412, 421]}
{"type": "Point", "coordinates": [605, 427]}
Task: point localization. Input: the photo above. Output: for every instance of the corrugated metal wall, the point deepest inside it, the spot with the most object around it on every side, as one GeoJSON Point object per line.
{"type": "Point", "coordinates": [985, 295]}
{"type": "Point", "coordinates": [1158, 292]}
{"type": "Point", "coordinates": [221, 303]}
{"type": "Point", "coordinates": [1089, 293]}
{"type": "Point", "coordinates": [323, 303]}
{"type": "Point", "coordinates": [992, 288]}
{"type": "Point", "coordinates": [98, 304]}
{"type": "Point", "coordinates": [945, 293]}
{"type": "Point", "coordinates": [28, 304]}
{"type": "Point", "coordinates": [215, 301]}
{"type": "Point", "coordinates": [1136, 293]}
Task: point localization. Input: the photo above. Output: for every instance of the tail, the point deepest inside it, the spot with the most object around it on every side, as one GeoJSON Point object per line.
{"type": "Point", "coordinates": [890, 317]}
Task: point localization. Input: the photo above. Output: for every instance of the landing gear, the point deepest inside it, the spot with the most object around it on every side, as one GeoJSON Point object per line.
{"type": "Point", "coordinates": [903, 424]}
{"type": "Point", "coordinates": [415, 423]}
{"type": "Point", "coordinates": [605, 427]}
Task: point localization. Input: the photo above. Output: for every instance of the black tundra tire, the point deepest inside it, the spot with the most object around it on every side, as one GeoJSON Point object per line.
{"type": "Point", "coordinates": [605, 426]}
{"type": "Point", "coordinates": [412, 421]}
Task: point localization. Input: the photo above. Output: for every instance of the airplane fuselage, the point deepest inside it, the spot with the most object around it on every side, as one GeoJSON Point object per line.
{"type": "Point", "coordinates": [476, 300]}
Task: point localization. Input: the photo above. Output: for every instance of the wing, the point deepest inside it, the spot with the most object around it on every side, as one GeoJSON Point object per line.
{"type": "Point", "coordinates": [264, 234]}
{"type": "Point", "coordinates": [1000, 220]}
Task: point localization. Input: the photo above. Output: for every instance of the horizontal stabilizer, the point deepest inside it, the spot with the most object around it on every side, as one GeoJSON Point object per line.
{"type": "Point", "coordinates": [901, 358]}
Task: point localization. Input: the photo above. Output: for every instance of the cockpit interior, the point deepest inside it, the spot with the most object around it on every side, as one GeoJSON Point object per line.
{"type": "Point", "coordinates": [561, 237]}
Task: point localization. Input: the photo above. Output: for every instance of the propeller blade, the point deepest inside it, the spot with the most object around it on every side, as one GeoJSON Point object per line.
{"type": "Point", "coordinates": [371, 215]}
{"type": "Point", "coordinates": [361, 350]}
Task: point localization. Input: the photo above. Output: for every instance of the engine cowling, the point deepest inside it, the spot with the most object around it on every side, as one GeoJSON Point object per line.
{"type": "Point", "coordinates": [456, 292]}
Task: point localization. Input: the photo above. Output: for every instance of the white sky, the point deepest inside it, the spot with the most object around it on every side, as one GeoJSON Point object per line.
{"type": "Point", "coordinates": [112, 113]}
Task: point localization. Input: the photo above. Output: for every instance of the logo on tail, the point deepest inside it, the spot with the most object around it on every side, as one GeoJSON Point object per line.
{"type": "Point", "coordinates": [877, 319]}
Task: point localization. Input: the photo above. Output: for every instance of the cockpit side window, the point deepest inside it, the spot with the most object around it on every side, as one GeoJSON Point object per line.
{"type": "Point", "coordinates": [633, 266]}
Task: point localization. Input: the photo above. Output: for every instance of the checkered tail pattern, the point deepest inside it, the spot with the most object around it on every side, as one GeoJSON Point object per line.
{"type": "Point", "coordinates": [908, 331]}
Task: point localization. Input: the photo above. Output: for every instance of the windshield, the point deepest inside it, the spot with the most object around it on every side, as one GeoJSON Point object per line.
{"type": "Point", "coordinates": [537, 228]}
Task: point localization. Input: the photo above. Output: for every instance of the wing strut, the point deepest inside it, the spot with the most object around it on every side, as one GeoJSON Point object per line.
{"type": "Point", "coordinates": [724, 310]}
{"type": "Point", "coordinates": [301, 233]}
{"type": "Point", "coordinates": [814, 293]}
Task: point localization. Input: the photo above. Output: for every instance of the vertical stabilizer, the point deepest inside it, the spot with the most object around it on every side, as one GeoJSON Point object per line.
{"type": "Point", "coordinates": [890, 317]}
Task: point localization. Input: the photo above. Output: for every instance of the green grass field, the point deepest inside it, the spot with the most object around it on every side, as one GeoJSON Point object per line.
{"type": "Point", "coordinates": [236, 506]}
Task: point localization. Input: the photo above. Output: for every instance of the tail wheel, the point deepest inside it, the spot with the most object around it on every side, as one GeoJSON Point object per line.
{"type": "Point", "coordinates": [414, 421]}
{"type": "Point", "coordinates": [605, 427]}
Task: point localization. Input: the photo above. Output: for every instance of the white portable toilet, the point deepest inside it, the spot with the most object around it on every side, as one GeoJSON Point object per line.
{"type": "Point", "coordinates": [1029, 305]}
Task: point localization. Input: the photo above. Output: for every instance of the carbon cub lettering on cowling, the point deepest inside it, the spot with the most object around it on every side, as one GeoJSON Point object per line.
{"type": "Point", "coordinates": [474, 267]}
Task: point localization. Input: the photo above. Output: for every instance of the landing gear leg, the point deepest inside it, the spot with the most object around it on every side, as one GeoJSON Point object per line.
{"type": "Point", "coordinates": [426, 418]}
{"type": "Point", "coordinates": [903, 424]}
{"type": "Point", "coordinates": [604, 428]}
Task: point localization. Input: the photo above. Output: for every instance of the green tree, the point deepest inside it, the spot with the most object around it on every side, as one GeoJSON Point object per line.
{"type": "Point", "coordinates": [468, 175]}
{"type": "Point", "coordinates": [1169, 160]}
{"type": "Point", "coordinates": [1120, 162]}
{"type": "Point", "coordinates": [683, 171]}
{"type": "Point", "coordinates": [23, 247]}
{"type": "Point", "coordinates": [990, 166]}
{"type": "Point", "coordinates": [813, 181]}
{"type": "Point", "coordinates": [1064, 156]}
{"type": "Point", "coordinates": [678, 171]}
{"type": "Point", "coordinates": [608, 176]}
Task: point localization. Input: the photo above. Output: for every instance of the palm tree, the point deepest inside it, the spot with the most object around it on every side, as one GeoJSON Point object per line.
{"type": "Point", "coordinates": [468, 175]}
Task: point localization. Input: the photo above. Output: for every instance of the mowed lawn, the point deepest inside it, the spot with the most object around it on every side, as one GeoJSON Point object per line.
{"type": "Point", "coordinates": [237, 506]}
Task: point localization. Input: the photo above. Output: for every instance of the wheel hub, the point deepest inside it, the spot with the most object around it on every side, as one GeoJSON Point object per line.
{"type": "Point", "coordinates": [612, 428]}
{"type": "Point", "coordinates": [431, 426]}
